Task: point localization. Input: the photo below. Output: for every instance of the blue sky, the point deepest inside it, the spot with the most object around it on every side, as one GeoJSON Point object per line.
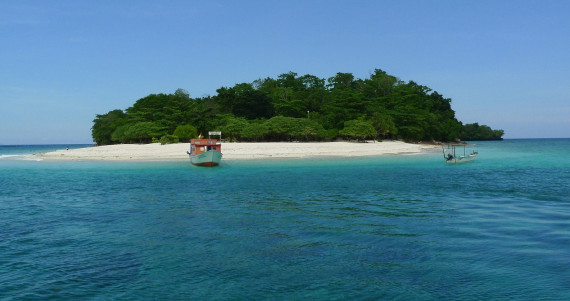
{"type": "Point", "coordinates": [503, 63]}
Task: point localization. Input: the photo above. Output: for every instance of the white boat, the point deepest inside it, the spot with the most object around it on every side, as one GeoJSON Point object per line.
{"type": "Point", "coordinates": [454, 156]}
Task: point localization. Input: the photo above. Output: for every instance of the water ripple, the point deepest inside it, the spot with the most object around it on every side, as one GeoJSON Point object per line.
{"type": "Point", "coordinates": [368, 229]}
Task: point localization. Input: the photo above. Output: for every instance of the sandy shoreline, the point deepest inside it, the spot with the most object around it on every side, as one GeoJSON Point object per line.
{"type": "Point", "coordinates": [237, 151]}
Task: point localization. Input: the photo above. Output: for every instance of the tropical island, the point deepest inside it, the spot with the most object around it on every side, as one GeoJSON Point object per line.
{"type": "Point", "coordinates": [294, 108]}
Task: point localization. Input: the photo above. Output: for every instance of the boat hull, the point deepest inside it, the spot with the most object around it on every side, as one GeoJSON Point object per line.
{"type": "Point", "coordinates": [461, 159]}
{"type": "Point", "coordinates": [209, 158]}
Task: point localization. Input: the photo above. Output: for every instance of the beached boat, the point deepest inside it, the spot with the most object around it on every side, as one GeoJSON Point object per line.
{"type": "Point", "coordinates": [453, 156]}
{"type": "Point", "coordinates": [205, 152]}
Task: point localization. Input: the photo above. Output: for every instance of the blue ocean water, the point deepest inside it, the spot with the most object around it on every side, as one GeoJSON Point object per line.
{"type": "Point", "coordinates": [392, 227]}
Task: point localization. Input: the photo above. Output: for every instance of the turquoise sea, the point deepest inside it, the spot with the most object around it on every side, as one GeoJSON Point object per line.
{"type": "Point", "coordinates": [405, 227]}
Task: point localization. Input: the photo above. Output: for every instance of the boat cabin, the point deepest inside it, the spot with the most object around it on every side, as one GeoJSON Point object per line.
{"type": "Point", "coordinates": [198, 146]}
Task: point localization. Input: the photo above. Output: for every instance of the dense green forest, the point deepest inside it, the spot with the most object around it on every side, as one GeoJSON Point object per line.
{"type": "Point", "coordinates": [292, 107]}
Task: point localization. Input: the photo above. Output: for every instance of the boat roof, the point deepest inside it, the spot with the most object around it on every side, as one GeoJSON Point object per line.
{"type": "Point", "coordinates": [203, 141]}
{"type": "Point", "coordinates": [459, 144]}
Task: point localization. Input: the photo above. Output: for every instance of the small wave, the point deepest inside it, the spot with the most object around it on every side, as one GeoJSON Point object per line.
{"type": "Point", "coordinates": [9, 156]}
{"type": "Point", "coordinates": [28, 158]}
{"type": "Point", "coordinates": [413, 154]}
{"type": "Point", "coordinates": [19, 157]}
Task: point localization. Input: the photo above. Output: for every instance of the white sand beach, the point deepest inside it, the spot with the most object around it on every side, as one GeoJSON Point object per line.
{"type": "Point", "coordinates": [232, 151]}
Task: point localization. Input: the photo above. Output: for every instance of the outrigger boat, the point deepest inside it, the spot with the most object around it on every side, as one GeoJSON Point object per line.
{"type": "Point", "coordinates": [453, 157]}
{"type": "Point", "coordinates": [205, 152]}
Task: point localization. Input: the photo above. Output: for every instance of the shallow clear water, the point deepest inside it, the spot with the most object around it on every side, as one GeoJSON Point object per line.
{"type": "Point", "coordinates": [393, 227]}
{"type": "Point", "coordinates": [18, 152]}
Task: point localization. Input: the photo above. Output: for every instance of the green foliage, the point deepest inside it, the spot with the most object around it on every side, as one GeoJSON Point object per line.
{"type": "Point", "coordinates": [243, 100]}
{"type": "Point", "coordinates": [118, 136]}
{"type": "Point", "coordinates": [331, 134]}
{"type": "Point", "coordinates": [282, 128]}
{"type": "Point", "coordinates": [358, 129]}
{"type": "Point", "coordinates": [185, 132]}
{"type": "Point", "coordinates": [254, 131]}
{"type": "Point", "coordinates": [383, 124]}
{"type": "Point", "coordinates": [474, 131]}
{"type": "Point", "coordinates": [308, 130]}
{"type": "Point", "coordinates": [104, 125]}
{"type": "Point", "coordinates": [181, 93]}
{"type": "Point", "coordinates": [142, 132]}
{"type": "Point", "coordinates": [167, 139]}
{"type": "Point", "coordinates": [232, 126]}
{"type": "Point", "coordinates": [293, 107]}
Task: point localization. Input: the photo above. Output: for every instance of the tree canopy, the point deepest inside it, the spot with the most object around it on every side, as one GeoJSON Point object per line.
{"type": "Point", "coordinates": [474, 131]}
{"type": "Point", "coordinates": [292, 107]}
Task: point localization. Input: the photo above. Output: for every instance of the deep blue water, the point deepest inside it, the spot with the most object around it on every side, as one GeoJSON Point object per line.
{"type": "Point", "coordinates": [393, 227]}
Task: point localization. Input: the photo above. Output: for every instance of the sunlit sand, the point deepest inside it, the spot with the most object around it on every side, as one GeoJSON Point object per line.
{"type": "Point", "coordinates": [158, 152]}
